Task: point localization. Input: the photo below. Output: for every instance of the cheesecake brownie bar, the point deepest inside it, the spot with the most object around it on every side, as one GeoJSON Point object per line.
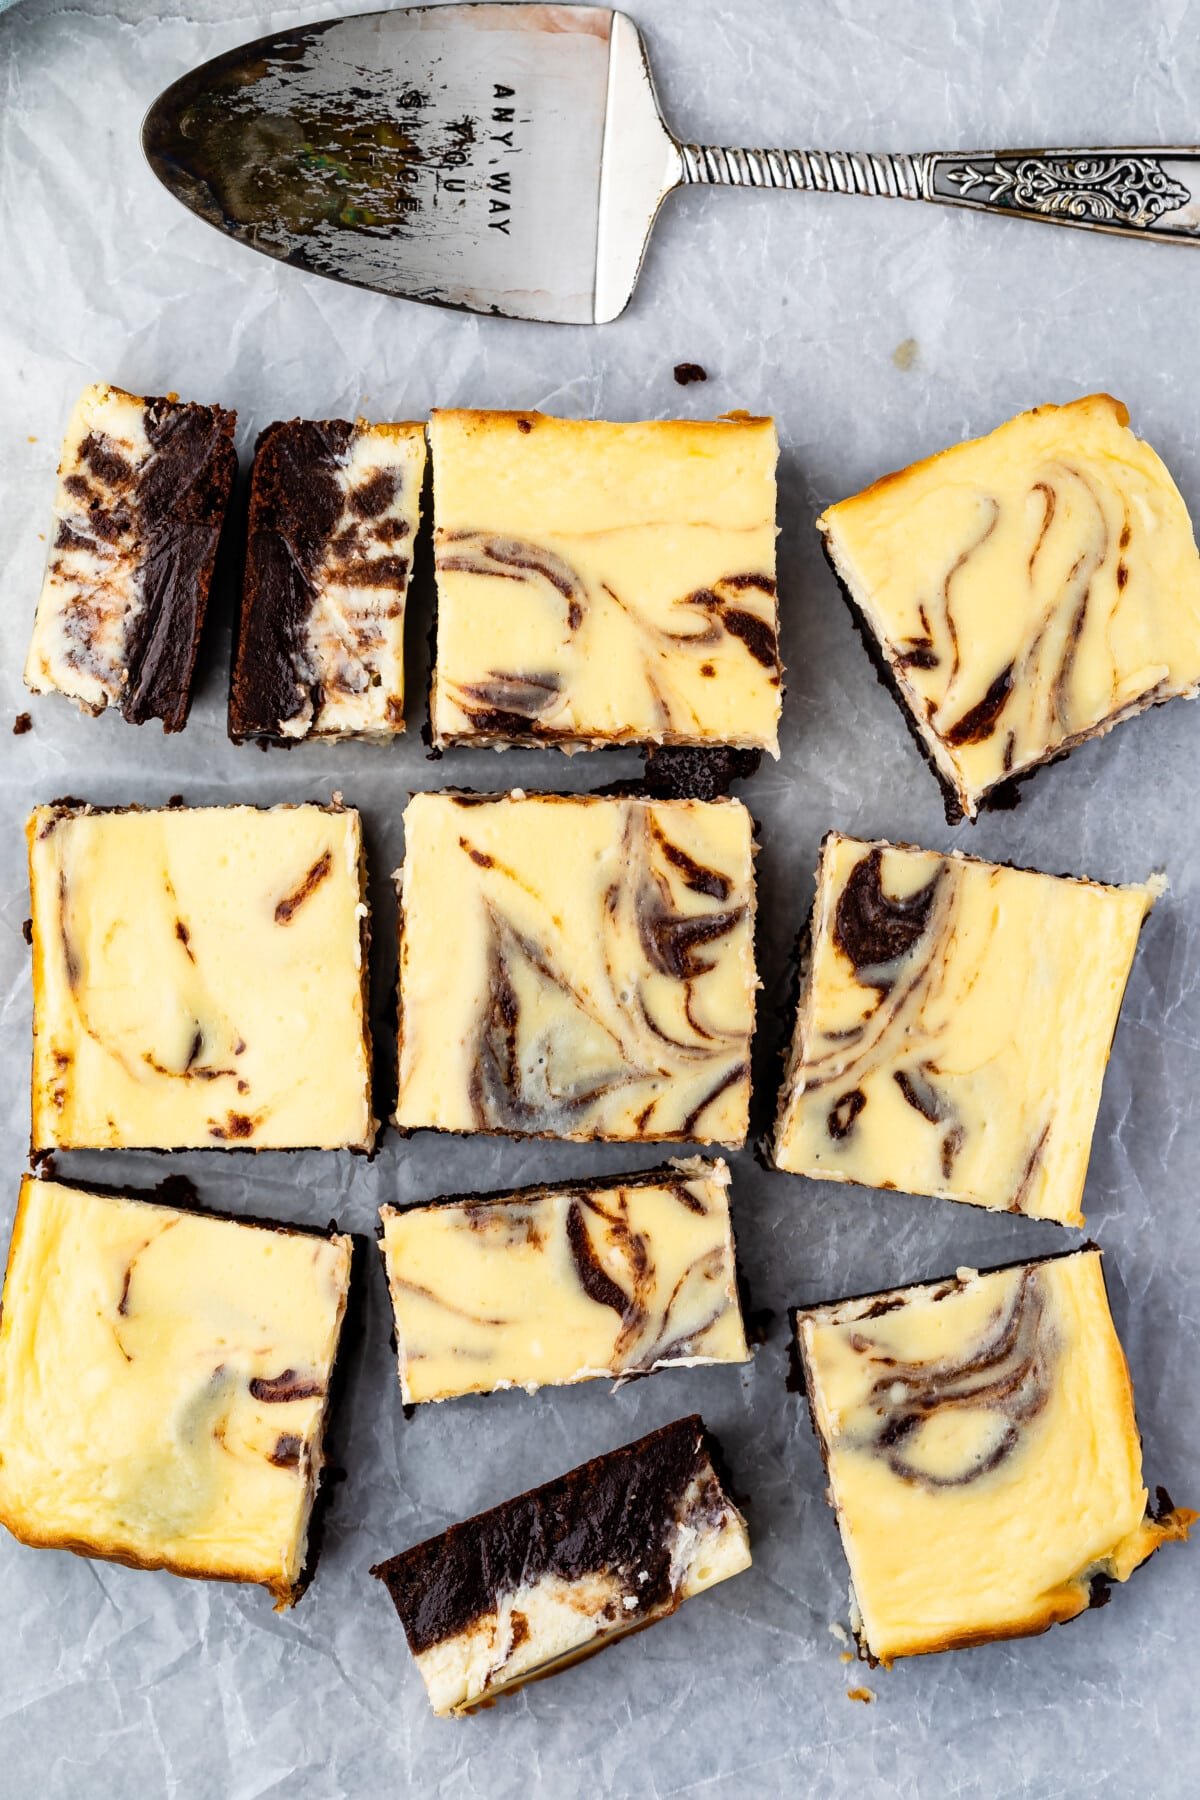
{"type": "Point", "coordinates": [142, 490]}
{"type": "Point", "coordinates": [198, 978]}
{"type": "Point", "coordinates": [982, 1453]}
{"type": "Point", "coordinates": [554, 1285]}
{"type": "Point", "coordinates": [577, 967]}
{"type": "Point", "coordinates": [605, 584]}
{"type": "Point", "coordinates": [334, 511]}
{"type": "Point", "coordinates": [1024, 591]}
{"type": "Point", "coordinates": [561, 1572]}
{"type": "Point", "coordinates": [954, 1026]}
{"type": "Point", "coordinates": [164, 1384]}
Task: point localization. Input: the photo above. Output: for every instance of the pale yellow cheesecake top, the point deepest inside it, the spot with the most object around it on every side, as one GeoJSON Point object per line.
{"type": "Point", "coordinates": [954, 1027]}
{"type": "Point", "coordinates": [163, 1384]}
{"type": "Point", "coordinates": [198, 978]}
{"type": "Point", "coordinates": [982, 1452]}
{"type": "Point", "coordinates": [603, 582]}
{"type": "Point", "coordinates": [577, 967]}
{"type": "Point", "coordinates": [1028, 588]}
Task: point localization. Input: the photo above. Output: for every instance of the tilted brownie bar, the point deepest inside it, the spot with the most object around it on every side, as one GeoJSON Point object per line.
{"type": "Point", "coordinates": [164, 1384]}
{"type": "Point", "coordinates": [142, 492]}
{"type": "Point", "coordinates": [954, 1026]}
{"type": "Point", "coordinates": [603, 583]}
{"type": "Point", "coordinates": [1025, 591]}
{"type": "Point", "coordinates": [334, 511]}
{"type": "Point", "coordinates": [982, 1452]}
{"type": "Point", "coordinates": [548, 1285]}
{"type": "Point", "coordinates": [562, 1571]}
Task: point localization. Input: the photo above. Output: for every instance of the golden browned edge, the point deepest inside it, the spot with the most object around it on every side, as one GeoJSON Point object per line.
{"type": "Point", "coordinates": [84, 809]}
{"type": "Point", "coordinates": [581, 1137]}
{"type": "Point", "coordinates": [489, 414]}
{"type": "Point", "coordinates": [1175, 1526]}
{"type": "Point", "coordinates": [603, 1641]}
{"type": "Point", "coordinates": [285, 1593]}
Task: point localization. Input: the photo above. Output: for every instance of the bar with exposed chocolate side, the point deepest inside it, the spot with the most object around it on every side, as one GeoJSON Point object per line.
{"type": "Point", "coordinates": [164, 1384]}
{"type": "Point", "coordinates": [954, 1024]}
{"type": "Point", "coordinates": [558, 1573]}
{"type": "Point", "coordinates": [982, 1453]}
{"type": "Point", "coordinates": [199, 978]}
{"type": "Point", "coordinates": [558, 1284]}
{"type": "Point", "coordinates": [604, 583]}
{"type": "Point", "coordinates": [1023, 592]}
{"type": "Point", "coordinates": [334, 512]}
{"type": "Point", "coordinates": [576, 966]}
{"type": "Point", "coordinates": [143, 486]}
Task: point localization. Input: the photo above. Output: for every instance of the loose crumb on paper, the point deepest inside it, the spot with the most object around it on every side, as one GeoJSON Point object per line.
{"type": "Point", "coordinates": [865, 1694]}
{"type": "Point", "coordinates": [905, 354]}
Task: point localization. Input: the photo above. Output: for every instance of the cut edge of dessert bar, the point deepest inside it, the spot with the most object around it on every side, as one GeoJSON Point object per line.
{"type": "Point", "coordinates": [595, 1282]}
{"type": "Point", "coordinates": [43, 819]}
{"type": "Point", "coordinates": [961, 800]}
{"type": "Point", "coordinates": [793, 1056]}
{"type": "Point", "coordinates": [176, 1194]}
{"type": "Point", "coordinates": [1163, 1521]}
{"type": "Point", "coordinates": [319, 636]}
{"type": "Point", "coordinates": [99, 637]}
{"type": "Point", "coordinates": [639, 794]}
{"type": "Point", "coordinates": [507, 727]}
{"type": "Point", "coordinates": [552, 1576]}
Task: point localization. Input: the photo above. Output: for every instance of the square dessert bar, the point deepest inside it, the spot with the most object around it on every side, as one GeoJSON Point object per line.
{"type": "Point", "coordinates": [553, 1285]}
{"type": "Point", "coordinates": [954, 1025]}
{"type": "Point", "coordinates": [1024, 591]}
{"type": "Point", "coordinates": [198, 979]}
{"type": "Point", "coordinates": [164, 1384]}
{"type": "Point", "coordinates": [604, 584]}
{"type": "Point", "coordinates": [142, 490]}
{"type": "Point", "coordinates": [334, 511]}
{"type": "Point", "coordinates": [563, 1571]}
{"type": "Point", "coordinates": [576, 967]}
{"type": "Point", "coordinates": [982, 1452]}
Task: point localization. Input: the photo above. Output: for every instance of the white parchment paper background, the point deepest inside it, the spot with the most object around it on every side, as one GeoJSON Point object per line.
{"type": "Point", "coordinates": [126, 1684]}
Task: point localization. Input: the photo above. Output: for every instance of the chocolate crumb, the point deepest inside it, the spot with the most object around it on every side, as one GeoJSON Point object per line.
{"type": "Point", "coordinates": [687, 372]}
{"type": "Point", "coordinates": [524, 425]}
{"type": "Point", "coordinates": [27, 930]}
{"type": "Point", "coordinates": [21, 724]}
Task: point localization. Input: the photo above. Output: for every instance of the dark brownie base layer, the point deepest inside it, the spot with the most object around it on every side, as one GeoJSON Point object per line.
{"type": "Point", "coordinates": [610, 1513]}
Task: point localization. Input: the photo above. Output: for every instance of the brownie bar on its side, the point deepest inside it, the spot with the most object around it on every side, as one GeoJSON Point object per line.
{"type": "Point", "coordinates": [165, 1378]}
{"type": "Point", "coordinates": [334, 510]}
{"type": "Point", "coordinates": [143, 489]}
{"type": "Point", "coordinates": [556, 1574]}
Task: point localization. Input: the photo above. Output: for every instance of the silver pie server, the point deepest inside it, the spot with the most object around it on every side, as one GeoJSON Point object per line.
{"type": "Point", "coordinates": [511, 158]}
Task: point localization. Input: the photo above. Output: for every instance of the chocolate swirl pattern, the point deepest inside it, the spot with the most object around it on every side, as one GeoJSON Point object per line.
{"type": "Point", "coordinates": [954, 1027]}
{"type": "Point", "coordinates": [559, 1285]}
{"type": "Point", "coordinates": [576, 967]}
{"type": "Point", "coordinates": [604, 583]}
{"type": "Point", "coordinates": [1026, 590]}
{"type": "Point", "coordinates": [164, 1381]}
{"type": "Point", "coordinates": [982, 1452]}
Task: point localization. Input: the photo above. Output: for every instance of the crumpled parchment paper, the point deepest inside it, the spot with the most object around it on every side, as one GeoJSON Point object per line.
{"type": "Point", "coordinates": [874, 331]}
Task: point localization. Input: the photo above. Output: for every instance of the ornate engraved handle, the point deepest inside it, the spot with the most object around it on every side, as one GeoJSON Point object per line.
{"type": "Point", "coordinates": [1147, 193]}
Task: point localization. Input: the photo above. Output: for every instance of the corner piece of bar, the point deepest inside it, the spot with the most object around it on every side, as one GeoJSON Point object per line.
{"type": "Point", "coordinates": [553, 1285]}
{"type": "Point", "coordinates": [334, 513]}
{"type": "Point", "coordinates": [954, 1025]}
{"type": "Point", "coordinates": [1023, 592]}
{"type": "Point", "coordinates": [165, 1380]}
{"type": "Point", "coordinates": [982, 1453]}
{"type": "Point", "coordinates": [558, 1573]}
{"type": "Point", "coordinates": [143, 487]}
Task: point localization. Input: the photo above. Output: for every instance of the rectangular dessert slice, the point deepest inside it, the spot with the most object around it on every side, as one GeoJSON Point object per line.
{"type": "Point", "coordinates": [983, 1456]}
{"type": "Point", "coordinates": [559, 1573]}
{"type": "Point", "coordinates": [577, 967]}
{"type": "Point", "coordinates": [143, 485]}
{"type": "Point", "coordinates": [1024, 591]}
{"type": "Point", "coordinates": [603, 583]}
{"type": "Point", "coordinates": [553, 1285]}
{"type": "Point", "coordinates": [954, 1026]}
{"type": "Point", "coordinates": [198, 978]}
{"type": "Point", "coordinates": [164, 1384]}
{"type": "Point", "coordinates": [334, 511]}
